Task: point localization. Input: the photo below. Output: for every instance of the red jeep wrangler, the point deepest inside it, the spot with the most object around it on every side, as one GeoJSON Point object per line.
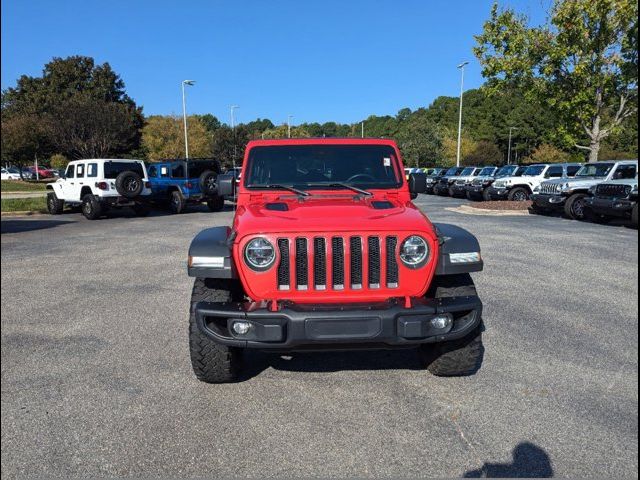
{"type": "Point", "coordinates": [327, 251]}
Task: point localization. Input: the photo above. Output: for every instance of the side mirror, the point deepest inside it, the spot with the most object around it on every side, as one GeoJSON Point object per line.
{"type": "Point", "coordinates": [417, 184]}
{"type": "Point", "coordinates": [226, 184]}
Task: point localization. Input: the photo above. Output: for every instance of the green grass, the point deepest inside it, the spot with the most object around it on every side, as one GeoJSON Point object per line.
{"type": "Point", "coordinates": [22, 186]}
{"type": "Point", "coordinates": [24, 204]}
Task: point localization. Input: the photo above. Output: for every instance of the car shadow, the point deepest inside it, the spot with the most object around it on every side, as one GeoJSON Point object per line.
{"type": "Point", "coordinates": [254, 362]}
{"type": "Point", "coordinates": [529, 461]}
{"type": "Point", "coordinates": [28, 225]}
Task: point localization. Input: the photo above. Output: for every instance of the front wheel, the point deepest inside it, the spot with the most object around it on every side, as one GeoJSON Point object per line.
{"type": "Point", "coordinates": [211, 361]}
{"type": "Point", "coordinates": [91, 207]}
{"type": "Point", "coordinates": [457, 357]}
{"type": "Point", "coordinates": [576, 206]}
{"type": "Point", "coordinates": [177, 202]}
{"type": "Point", "coordinates": [486, 196]}
{"type": "Point", "coordinates": [54, 205]}
{"type": "Point", "coordinates": [216, 203]}
{"type": "Point", "coordinates": [519, 194]}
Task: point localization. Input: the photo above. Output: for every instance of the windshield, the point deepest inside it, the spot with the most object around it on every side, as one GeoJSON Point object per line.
{"type": "Point", "coordinates": [315, 166]}
{"type": "Point", "coordinates": [534, 170]}
{"type": "Point", "coordinates": [452, 171]}
{"type": "Point", "coordinates": [595, 170]}
{"type": "Point", "coordinates": [113, 169]}
{"type": "Point", "coordinates": [486, 171]}
{"type": "Point", "coordinates": [467, 171]}
{"type": "Point", "coordinates": [506, 171]}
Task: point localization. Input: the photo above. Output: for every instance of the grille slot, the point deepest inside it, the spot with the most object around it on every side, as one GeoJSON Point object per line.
{"type": "Point", "coordinates": [337, 269]}
{"type": "Point", "coordinates": [610, 190]}
{"type": "Point", "coordinates": [374, 262]}
{"type": "Point", "coordinates": [302, 265]}
{"type": "Point", "coordinates": [319, 263]}
{"type": "Point", "coordinates": [283, 268]}
{"type": "Point", "coordinates": [356, 262]}
{"type": "Point", "coordinates": [392, 263]}
{"type": "Point", "coordinates": [550, 188]}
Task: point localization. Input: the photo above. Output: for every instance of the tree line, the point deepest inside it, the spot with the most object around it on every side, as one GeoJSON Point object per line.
{"type": "Point", "coordinates": [566, 90]}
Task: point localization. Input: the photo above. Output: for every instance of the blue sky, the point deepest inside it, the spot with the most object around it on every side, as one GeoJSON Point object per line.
{"type": "Point", "coordinates": [319, 61]}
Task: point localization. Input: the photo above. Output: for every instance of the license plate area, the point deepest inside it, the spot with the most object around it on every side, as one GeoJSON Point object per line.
{"type": "Point", "coordinates": [342, 329]}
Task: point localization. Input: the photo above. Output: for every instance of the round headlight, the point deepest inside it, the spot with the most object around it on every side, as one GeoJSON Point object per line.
{"type": "Point", "coordinates": [414, 251]}
{"type": "Point", "coordinates": [259, 254]}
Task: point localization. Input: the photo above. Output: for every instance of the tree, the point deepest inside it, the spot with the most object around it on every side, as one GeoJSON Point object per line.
{"type": "Point", "coordinates": [584, 62]}
{"type": "Point", "coordinates": [163, 137]}
{"type": "Point", "coordinates": [484, 152]}
{"type": "Point", "coordinates": [85, 127]}
{"type": "Point", "coordinates": [546, 153]}
{"type": "Point", "coordinates": [58, 161]}
{"type": "Point", "coordinates": [420, 142]}
{"type": "Point", "coordinates": [25, 138]}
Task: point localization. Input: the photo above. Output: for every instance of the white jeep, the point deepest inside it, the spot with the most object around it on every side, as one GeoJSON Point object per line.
{"type": "Point", "coordinates": [97, 185]}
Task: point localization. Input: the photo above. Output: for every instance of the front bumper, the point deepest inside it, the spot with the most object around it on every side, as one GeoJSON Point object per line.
{"type": "Point", "coordinates": [459, 190]}
{"type": "Point", "coordinates": [295, 326]}
{"type": "Point", "coordinates": [475, 191]}
{"type": "Point", "coordinates": [441, 189]}
{"type": "Point", "coordinates": [611, 206]}
{"type": "Point", "coordinates": [498, 193]}
{"type": "Point", "coordinates": [548, 202]}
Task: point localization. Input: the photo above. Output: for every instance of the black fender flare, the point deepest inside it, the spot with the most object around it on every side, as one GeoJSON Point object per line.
{"type": "Point", "coordinates": [211, 254]}
{"type": "Point", "coordinates": [456, 240]}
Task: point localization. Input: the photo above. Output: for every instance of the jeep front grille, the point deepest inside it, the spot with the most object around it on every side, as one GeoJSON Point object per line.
{"type": "Point", "coordinates": [613, 190]}
{"type": "Point", "coordinates": [550, 188]}
{"type": "Point", "coordinates": [333, 255]}
{"type": "Point", "coordinates": [477, 182]}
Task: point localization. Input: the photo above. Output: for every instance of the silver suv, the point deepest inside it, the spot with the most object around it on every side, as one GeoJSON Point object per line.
{"type": "Point", "coordinates": [569, 195]}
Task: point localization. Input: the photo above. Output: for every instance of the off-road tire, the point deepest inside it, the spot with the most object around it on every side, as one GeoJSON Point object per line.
{"type": "Point", "coordinates": [485, 195]}
{"type": "Point", "coordinates": [452, 194]}
{"type": "Point", "coordinates": [129, 184]}
{"type": "Point", "coordinates": [575, 207]}
{"type": "Point", "coordinates": [141, 210]}
{"type": "Point", "coordinates": [457, 357]}
{"type": "Point", "coordinates": [55, 206]}
{"type": "Point", "coordinates": [91, 207]}
{"type": "Point", "coordinates": [216, 203]}
{"type": "Point", "coordinates": [211, 361]}
{"type": "Point", "coordinates": [634, 216]}
{"type": "Point", "coordinates": [207, 181]}
{"type": "Point", "coordinates": [519, 194]}
{"type": "Point", "coordinates": [177, 202]}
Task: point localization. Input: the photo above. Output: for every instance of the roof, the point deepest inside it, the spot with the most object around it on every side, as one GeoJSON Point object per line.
{"type": "Point", "coordinates": [322, 141]}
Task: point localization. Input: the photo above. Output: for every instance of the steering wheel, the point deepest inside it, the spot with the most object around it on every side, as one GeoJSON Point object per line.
{"type": "Point", "coordinates": [361, 175]}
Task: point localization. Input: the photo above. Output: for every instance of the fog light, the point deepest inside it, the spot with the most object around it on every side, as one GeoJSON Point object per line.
{"type": "Point", "coordinates": [240, 328]}
{"type": "Point", "coordinates": [442, 322]}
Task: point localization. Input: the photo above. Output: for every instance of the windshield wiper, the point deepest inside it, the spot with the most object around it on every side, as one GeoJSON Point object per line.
{"type": "Point", "coordinates": [302, 193]}
{"type": "Point", "coordinates": [342, 185]}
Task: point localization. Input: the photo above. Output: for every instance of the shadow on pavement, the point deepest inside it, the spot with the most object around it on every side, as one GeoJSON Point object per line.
{"type": "Point", "coordinates": [24, 225]}
{"type": "Point", "coordinates": [529, 461]}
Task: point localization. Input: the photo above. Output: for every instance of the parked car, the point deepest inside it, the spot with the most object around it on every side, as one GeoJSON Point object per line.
{"type": "Point", "coordinates": [459, 187]}
{"type": "Point", "coordinates": [445, 182]}
{"type": "Point", "coordinates": [519, 189]}
{"type": "Point", "coordinates": [613, 199]}
{"type": "Point", "coordinates": [183, 182]}
{"type": "Point", "coordinates": [331, 257]}
{"type": "Point", "coordinates": [98, 185]}
{"type": "Point", "coordinates": [10, 174]}
{"type": "Point", "coordinates": [569, 195]}
{"type": "Point", "coordinates": [40, 172]}
{"type": "Point", "coordinates": [433, 179]}
{"type": "Point", "coordinates": [479, 187]}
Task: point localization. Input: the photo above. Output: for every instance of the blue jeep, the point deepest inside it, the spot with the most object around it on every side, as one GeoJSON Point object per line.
{"type": "Point", "coordinates": [182, 182]}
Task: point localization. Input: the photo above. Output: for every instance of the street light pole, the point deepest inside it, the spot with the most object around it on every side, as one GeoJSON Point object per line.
{"type": "Point", "coordinates": [511, 129]}
{"type": "Point", "coordinates": [289, 117]}
{"type": "Point", "coordinates": [233, 132]}
{"type": "Point", "coordinates": [461, 67]}
{"type": "Point", "coordinates": [184, 117]}
{"type": "Point", "coordinates": [362, 129]}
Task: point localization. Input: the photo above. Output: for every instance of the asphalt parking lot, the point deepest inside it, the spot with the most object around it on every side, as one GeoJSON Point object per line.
{"type": "Point", "coordinates": [96, 379]}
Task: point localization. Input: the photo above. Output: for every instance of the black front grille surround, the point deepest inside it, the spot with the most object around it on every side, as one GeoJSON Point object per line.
{"type": "Point", "coordinates": [379, 258]}
{"type": "Point", "coordinates": [613, 190]}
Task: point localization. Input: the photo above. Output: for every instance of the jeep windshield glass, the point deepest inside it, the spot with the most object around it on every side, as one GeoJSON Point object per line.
{"type": "Point", "coordinates": [595, 170]}
{"type": "Point", "coordinates": [506, 171]}
{"type": "Point", "coordinates": [451, 171]}
{"type": "Point", "coordinates": [467, 172]}
{"type": "Point", "coordinates": [113, 169]}
{"type": "Point", "coordinates": [486, 171]}
{"type": "Point", "coordinates": [534, 170]}
{"type": "Point", "coordinates": [308, 167]}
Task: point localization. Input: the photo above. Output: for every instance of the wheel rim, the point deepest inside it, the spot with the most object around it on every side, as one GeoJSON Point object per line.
{"type": "Point", "coordinates": [520, 196]}
{"type": "Point", "coordinates": [578, 208]}
{"type": "Point", "coordinates": [175, 202]}
{"type": "Point", "coordinates": [131, 185]}
{"type": "Point", "coordinates": [87, 208]}
{"type": "Point", "coordinates": [51, 204]}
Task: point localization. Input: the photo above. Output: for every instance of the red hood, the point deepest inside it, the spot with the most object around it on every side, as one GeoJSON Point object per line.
{"type": "Point", "coordinates": [329, 213]}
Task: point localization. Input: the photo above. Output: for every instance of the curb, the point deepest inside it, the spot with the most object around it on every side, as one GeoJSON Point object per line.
{"type": "Point", "coordinates": [25, 213]}
{"type": "Point", "coordinates": [491, 213]}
